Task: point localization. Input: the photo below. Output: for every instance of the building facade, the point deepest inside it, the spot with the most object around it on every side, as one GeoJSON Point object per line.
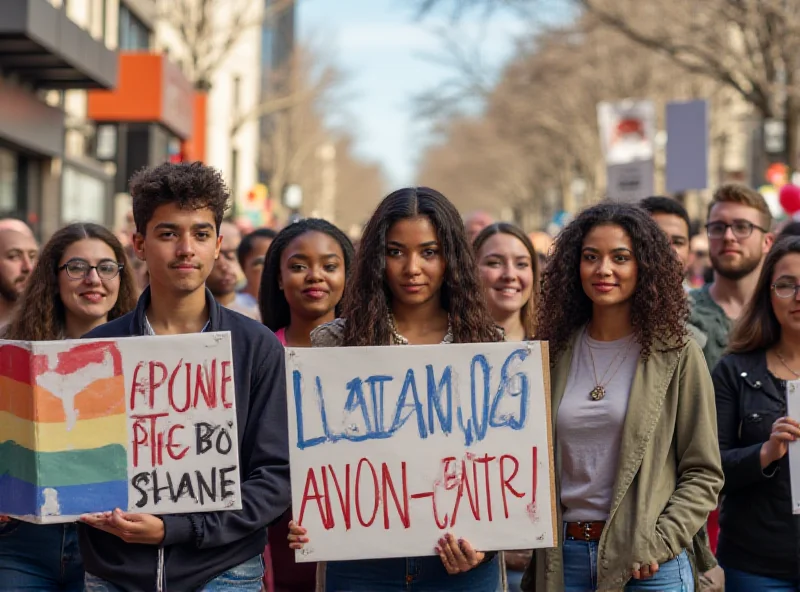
{"type": "Point", "coordinates": [50, 54]}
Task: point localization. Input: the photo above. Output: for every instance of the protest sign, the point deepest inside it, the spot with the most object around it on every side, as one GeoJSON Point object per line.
{"type": "Point", "coordinates": [391, 447]}
{"type": "Point", "coordinates": [793, 408]}
{"type": "Point", "coordinates": [146, 424]}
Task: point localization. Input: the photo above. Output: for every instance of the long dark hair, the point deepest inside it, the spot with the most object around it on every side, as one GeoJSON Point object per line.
{"type": "Point", "coordinates": [528, 312]}
{"type": "Point", "coordinates": [367, 297]}
{"type": "Point", "coordinates": [272, 302]}
{"type": "Point", "coordinates": [758, 327]}
{"type": "Point", "coordinates": [42, 316]}
{"type": "Point", "coordinates": [659, 308]}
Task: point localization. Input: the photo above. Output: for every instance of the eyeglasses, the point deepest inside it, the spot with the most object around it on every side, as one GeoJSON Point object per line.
{"type": "Point", "coordinates": [78, 269]}
{"type": "Point", "coordinates": [740, 228]}
{"type": "Point", "coordinates": [786, 290]}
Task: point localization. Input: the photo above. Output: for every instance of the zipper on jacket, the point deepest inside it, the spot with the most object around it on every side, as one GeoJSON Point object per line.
{"type": "Point", "coordinates": [160, 587]}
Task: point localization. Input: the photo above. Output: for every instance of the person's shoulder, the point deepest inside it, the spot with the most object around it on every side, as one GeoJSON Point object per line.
{"type": "Point", "coordinates": [243, 327]}
{"type": "Point", "coordinates": [328, 335]}
{"type": "Point", "coordinates": [119, 327]}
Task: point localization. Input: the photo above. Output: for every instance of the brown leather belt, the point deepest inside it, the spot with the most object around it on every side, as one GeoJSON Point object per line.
{"type": "Point", "coordinates": [584, 531]}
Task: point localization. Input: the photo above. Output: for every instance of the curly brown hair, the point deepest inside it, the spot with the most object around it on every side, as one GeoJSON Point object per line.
{"type": "Point", "coordinates": [659, 309]}
{"type": "Point", "coordinates": [367, 298]}
{"type": "Point", "coordinates": [41, 315]}
{"type": "Point", "coordinates": [188, 185]}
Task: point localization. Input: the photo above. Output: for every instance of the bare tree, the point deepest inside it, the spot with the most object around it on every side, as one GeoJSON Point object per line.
{"type": "Point", "coordinates": [750, 46]}
{"type": "Point", "coordinates": [209, 29]}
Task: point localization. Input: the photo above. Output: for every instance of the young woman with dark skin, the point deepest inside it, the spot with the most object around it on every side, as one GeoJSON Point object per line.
{"type": "Point", "coordinates": [305, 272]}
{"type": "Point", "coordinates": [415, 282]}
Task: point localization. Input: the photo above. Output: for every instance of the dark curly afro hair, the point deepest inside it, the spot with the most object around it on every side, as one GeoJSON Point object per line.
{"type": "Point", "coordinates": [188, 185]}
{"type": "Point", "coordinates": [659, 309]}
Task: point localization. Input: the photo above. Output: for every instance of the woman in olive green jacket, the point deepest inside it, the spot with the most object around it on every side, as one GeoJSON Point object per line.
{"type": "Point", "coordinates": [637, 459]}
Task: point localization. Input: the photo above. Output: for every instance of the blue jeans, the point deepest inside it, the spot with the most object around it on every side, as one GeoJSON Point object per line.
{"type": "Point", "coordinates": [580, 572]}
{"type": "Point", "coordinates": [741, 581]}
{"type": "Point", "coordinates": [411, 574]}
{"type": "Point", "coordinates": [514, 579]}
{"type": "Point", "coordinates": [245, 577]}
{"type": "Point", "coordinates": [41, 557]}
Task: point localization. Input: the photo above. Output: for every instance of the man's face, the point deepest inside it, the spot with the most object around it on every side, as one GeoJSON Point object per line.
{"type": "Point", "coordinates": [226, 272]}
{"type": "Point", "coordinates": [18, 254]}
{"type": "Point", "coordinates": [735, 257]}
{"type": "Point", "coordinates": [677, 232]}
{"type": "Point", "coordinates": [180, 246]}
{"type": "Point", "coordinates": [254, 264]}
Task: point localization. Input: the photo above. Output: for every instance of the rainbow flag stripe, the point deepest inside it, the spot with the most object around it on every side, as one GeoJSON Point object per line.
{"type": "Point", "coordinates": [62, 429]}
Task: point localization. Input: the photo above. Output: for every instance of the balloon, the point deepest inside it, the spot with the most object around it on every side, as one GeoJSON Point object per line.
{"type": "Point", "coordinates": [790, 198]}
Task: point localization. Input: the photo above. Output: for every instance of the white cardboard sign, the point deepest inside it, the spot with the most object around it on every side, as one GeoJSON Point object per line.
{"type": "Point", "coordinates": [793, 408]}
{"type": "Point", "coordinates": [392, 447]}
{"type": "Point", "coordinates": [146, 424]}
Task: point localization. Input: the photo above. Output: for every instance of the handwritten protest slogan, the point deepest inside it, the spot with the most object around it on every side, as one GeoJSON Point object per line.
{"type": "Point", "coordinates": [146, 424]}
{"type": "Point", "coordinates": [391, 447]}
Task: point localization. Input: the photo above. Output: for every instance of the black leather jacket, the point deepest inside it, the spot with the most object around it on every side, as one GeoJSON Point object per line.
{"type": "Point", "coordinates": [758, 533]}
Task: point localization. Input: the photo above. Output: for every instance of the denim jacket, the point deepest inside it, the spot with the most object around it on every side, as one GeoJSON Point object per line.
{"type": "Point", "coordinates": [669, 474]}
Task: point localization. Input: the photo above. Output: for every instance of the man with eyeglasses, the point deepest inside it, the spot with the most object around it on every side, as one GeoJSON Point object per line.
{"type": "Point", "coordinates": [739, 237]}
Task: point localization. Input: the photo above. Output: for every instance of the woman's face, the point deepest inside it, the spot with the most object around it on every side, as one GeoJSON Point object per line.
{"type": "Point", "coordinates": [785, 277]}
{"type": "Point", "coordinates": [608, 267]}
{"type": "Point", "coordinates": [506, 270]}
{"type": "Point", "coordinates": [87, 296]}
{"type": "Point", "coordinates": [312, 275]}
{"type": "Point", "coordinates": [414, 262]}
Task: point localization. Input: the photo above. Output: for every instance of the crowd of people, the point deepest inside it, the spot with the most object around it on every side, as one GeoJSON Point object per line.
{"type": "Point", "coordinates": [670, 359]}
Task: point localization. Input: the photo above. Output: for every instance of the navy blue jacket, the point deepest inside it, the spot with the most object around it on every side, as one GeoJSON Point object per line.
{"type": "Point", "coordinates": [199, 547]}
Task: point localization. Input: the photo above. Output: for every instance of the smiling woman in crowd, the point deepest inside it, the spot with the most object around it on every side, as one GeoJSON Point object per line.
{"type": "Point", "coordinates": [415, 282]}
{"type": "Point", "coordinates": [80, 282]}
{"type": "Point", "coordinates": [637, 466]}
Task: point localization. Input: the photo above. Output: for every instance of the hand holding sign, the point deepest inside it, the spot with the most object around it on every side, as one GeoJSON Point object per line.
{"type": "Point", "coordinates": [457, 555]}
{"type": "Point", "coordinates": [784, 430]}
{"type": "Point", "coordinates": [142, 529]}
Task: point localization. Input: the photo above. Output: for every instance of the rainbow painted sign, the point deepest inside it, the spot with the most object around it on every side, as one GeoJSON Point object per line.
{"type": "Point", "coordinates": [145, 424]}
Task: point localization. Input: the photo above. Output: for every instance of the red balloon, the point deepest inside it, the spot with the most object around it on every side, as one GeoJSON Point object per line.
{"type": "Point", "coordinates": [790, 198]}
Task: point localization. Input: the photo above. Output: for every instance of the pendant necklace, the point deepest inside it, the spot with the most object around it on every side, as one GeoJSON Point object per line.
{"type": "Point", "coordinates": [599, 390]}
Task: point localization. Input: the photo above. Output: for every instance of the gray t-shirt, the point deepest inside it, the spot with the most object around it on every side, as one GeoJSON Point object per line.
{"type": "Point", "coordinates": [589, 432]}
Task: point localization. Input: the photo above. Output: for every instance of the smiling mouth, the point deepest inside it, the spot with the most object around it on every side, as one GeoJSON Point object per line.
{"type": "Point", "coordinates": [508, 290]}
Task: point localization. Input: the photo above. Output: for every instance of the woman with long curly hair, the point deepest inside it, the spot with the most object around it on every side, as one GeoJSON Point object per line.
{"type": "Point", "coordinates": [305, 273]}
{"type": "Point", "coordinates": [638, 468]}
{"type": "Point", "coordinates": [80, 281]}
{"type": "Point", "coordinates": [415, 282]}
{"type": "Point", "coordinates": [758, 533]}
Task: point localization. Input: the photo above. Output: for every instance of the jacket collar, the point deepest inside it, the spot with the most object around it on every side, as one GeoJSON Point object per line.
{"type": "Point", "coordinates": [138, 324]}
{"type": "Point", "coordinates": [752, 368]}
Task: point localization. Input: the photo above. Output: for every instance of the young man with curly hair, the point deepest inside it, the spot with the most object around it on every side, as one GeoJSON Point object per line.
{"type": "Point", "coordinates": [178, 210]}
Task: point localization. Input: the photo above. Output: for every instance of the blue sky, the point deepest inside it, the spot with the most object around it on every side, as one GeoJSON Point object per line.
{"type": "Point", "coordinates": [387, 53]}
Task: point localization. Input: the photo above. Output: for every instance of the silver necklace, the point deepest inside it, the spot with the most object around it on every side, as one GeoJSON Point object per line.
{"type": "Point", "coordinates": [785, 365]}
{"type": "Point", "coordinates": [398, 339]}
{"type": "Point", "coordinates": [599, 390]}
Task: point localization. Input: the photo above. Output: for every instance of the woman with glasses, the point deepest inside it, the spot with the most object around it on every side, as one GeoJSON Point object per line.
{"type": "Point", "coordinates": [758, 541]}
{"type": "Point", "coordinates": [80, 281]}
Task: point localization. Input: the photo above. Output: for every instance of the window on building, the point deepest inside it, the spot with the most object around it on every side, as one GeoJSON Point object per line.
{"type": "Point", "coordinates": [133, 33]}
{"type": "Point", "coordinates": [8, 181]}
{"type": "Point", "coordinates": [237, 94]}
{"type": "Point", "coordinates": [234, 175]}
